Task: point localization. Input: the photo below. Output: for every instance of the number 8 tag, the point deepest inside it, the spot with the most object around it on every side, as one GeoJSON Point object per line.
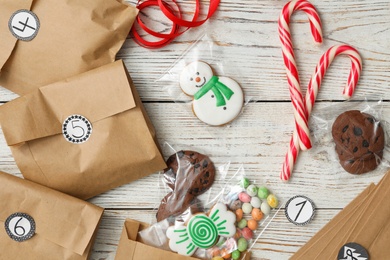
{"type": "Point", "coordinates": [76, 129]}
{"type": "Point", "coordinates": [20, 226]}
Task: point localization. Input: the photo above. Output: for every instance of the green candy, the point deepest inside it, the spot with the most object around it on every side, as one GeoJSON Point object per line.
{"type": "Point", "coordinates": [262, 192]}
{"type": "Point", "coordinates": [245, 183]}
{"type": "Point", "coordinates": [236, 254]}
{"type": "Point", "coordinates": [242, 244]}
{"type": "Point", "coordinates": [242, 223]}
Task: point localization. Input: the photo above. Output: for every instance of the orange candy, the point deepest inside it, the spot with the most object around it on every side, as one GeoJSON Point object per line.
{"type": "Point", "coordinates": [238, 234]}
{"type": "Point", "coordinates": [239, 214]}
{"type": "Point", "coordinates": [225, 254]}
{"type": "Point", "coordinates": [257, 214]}
{"type": "Point", "coordinates": [215, 252]}
{"type": "Point", "coordinates": [252, 224]}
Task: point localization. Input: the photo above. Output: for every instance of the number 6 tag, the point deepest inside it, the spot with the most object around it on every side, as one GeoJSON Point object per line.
{"type": "Point", "coordinates": [76, 129]}
{"type": "Point", "coordinates": [20, 226]}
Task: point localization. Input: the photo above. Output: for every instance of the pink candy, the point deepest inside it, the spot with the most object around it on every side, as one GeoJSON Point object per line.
{"type": "Point", "coordinates": [247, 233]}
{"type": "Point", "coordinates": [243, 197]}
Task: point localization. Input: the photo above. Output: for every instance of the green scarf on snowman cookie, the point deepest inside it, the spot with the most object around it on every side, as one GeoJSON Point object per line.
{"type": "Point", "coordinates": [220, 90]}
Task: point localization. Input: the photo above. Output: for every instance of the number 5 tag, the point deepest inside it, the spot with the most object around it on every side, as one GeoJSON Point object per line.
{"type": "Point", "coordinates": [76, 129]}
{"type": "Point", "coordinates": [20, 226]}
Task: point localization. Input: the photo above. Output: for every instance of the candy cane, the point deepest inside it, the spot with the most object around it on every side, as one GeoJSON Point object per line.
{"type": "Point", "coordinates": [312, 91]}
{"type": "Point", "coordinates": [301, 121]}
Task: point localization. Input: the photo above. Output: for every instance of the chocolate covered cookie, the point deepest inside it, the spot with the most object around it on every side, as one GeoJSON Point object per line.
{"type": "Point", "coordinates": [359, 140]}
{"type": "Point", "coordinates": [189, 174]}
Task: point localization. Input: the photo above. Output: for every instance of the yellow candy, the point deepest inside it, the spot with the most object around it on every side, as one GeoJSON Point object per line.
{"type": "Point", "coordinates": [272, 201]}
{"type": "Point", "coordinates": [218, 258]}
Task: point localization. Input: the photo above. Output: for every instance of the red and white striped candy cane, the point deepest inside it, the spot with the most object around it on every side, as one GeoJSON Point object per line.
{"type": "Point", "coordinates": [312, 91]}
{"type": "Point", "coordinates": [301, 121]}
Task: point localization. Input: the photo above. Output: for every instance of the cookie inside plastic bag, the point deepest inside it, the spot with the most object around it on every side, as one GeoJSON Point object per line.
{"type": "Point", "coordinates": [225, 224]}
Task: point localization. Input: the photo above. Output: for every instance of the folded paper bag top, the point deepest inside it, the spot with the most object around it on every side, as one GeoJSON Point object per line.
{"type": "Point", "coordinates": [65, 227]}
{"type": "Point", "coordinates": [132, 248]}
{"type": "Point", "coordinates": [121, 146]}
{"type": "Point", "coordinates": [68, 38]}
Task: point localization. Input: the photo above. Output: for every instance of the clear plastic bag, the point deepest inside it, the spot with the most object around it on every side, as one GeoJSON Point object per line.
{"type": "Point", "coordinates": [354, 135]}
{"type": "Point", "coordinates": [223, 207]}
{"type": "Point", "coordinates": [201, 81]}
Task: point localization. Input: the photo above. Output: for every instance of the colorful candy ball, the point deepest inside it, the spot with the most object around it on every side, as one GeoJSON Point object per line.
{"type": "Point", "coordinates": [225, 253]}
{"type": "Point", "coordinates": [252, 224]}
{"type": "Point", "coordinates": [217, 258]}
{"type": "Point", "coordinates": [256, 202]}
{"type": "Point", "coordinates": [265, 208]}
{"type": "Point", "coordinates": [236, 254]}
{"type": "Point", "coordinates": [257, 214]}
{"type": "Point", "coordinates": [239, 214]}
{"type": "Point", "coordinates": [262, 192]}
{"type": "Point", "coordinates": [245, 182]}
{"type": "Point", "coordinates": [242, 244]}
{"type": "Point", "coordinates": [244, 197]}
{"type": "Point", "coordinates": [247, 208]}
{"type": "Point", "coordinates": [272, 201]}
{"type": "Point", "coordinates": [234, 205]}
{"type": "Point", "coordinates": [242, 223]}
{"type": "Point", "coordinates": [247, 233]}
{"type": "Point", "coordinates": [252, 190]}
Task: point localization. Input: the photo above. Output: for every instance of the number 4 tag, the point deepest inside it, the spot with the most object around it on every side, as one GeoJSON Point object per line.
{"type": "Point", "coordinates": [300, 210]}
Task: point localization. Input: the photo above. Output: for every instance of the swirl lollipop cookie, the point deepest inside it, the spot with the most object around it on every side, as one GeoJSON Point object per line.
{"type": "Point", "coordinates": [217, 100]}
{"type": "Point", "coordinates": [202, 231]}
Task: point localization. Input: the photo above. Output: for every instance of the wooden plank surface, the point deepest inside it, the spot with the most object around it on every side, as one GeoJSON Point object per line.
{"type": "Point", "coordinates": [246, 47]}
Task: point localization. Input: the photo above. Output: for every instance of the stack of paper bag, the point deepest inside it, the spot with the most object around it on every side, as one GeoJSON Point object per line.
{"type": "Point", "coordinates": [74, 36]}
{"type": "Point", "coordinates": [365, 221]}
{"type": "Point", "coordinates": [65, 227]}
{"type": "Point", "coordinates": [121, 147]}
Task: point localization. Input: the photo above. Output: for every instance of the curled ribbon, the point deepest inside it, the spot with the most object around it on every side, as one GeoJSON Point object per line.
{"type": "Point", "coordinates": [179, 25]}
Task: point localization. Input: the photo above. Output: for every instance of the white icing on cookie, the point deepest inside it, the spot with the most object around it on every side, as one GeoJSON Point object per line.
{"type": "Point", "coordinates": [202, 231]}
{"type": "Point", "coordinates": [217, 100]}
{"type": "Point", "coordinates": [224, 220]}
{"type": "Point", "coordinates": [194, 76]}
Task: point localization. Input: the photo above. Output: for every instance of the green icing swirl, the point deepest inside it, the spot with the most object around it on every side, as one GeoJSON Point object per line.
{"type": "Point", "coordinates": [202, 231]}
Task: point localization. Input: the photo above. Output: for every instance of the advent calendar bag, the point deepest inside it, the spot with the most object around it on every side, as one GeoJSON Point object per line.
{"type": "Point", "coordinates": [84, 135]}
{"type": "Point", "coordinates": [131, 246]}
{"type": "Point", "coordinates": [40, 223]}
{"type": "Point", "coordinates": [46, 41]}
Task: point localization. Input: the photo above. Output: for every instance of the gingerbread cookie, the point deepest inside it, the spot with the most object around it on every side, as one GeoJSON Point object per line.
{"type": "Point", "coordinates": [189, 174]}
{"type": "Point", "coordinates": [359, 140]}
{"type": "Point", "coordinates": [202, 231]}
{"type": "Point", "coordinates": [217, 100]}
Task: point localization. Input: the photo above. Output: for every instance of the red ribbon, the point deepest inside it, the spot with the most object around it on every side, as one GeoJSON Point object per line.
{"type": "Point", "coordinates": [175, 16]}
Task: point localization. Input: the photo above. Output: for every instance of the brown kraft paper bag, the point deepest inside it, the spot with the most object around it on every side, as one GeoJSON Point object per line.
{"type": "Point", "coordinates": [132, 248]}
{"type": "Point", "coordinates": [58, 39]}
{"type": "Point", "coordinates": [65, 227]}
{"type": "Point", "coordinates": [116, 143]}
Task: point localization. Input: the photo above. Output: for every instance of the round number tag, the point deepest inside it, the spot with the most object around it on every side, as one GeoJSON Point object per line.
{"type": "Point", "coordinates": [352, 251]}
{"type": "Point", "coordinates": [24, 25]}
{"type": "Point", "coordinates": [76, 129]}
{"type": "Point", "coordinates": [300, 210]}
{"type": "Point", "coordinates": [20, 227]}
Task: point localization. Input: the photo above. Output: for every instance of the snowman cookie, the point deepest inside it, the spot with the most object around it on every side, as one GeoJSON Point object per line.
{"type": "Point", "coordinates": [217, 100]}
{"type": "Point", "coordinates": [202, 231]}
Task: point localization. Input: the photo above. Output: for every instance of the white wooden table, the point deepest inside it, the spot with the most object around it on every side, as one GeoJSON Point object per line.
{"type": "Point", "coordinates": [246, 34]}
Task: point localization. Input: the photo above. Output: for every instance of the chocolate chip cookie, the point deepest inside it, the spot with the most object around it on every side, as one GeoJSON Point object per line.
{"type": "Point", "coordinates": [189, 174]}
{"type": "Point", "coordinates": [359, 140]}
